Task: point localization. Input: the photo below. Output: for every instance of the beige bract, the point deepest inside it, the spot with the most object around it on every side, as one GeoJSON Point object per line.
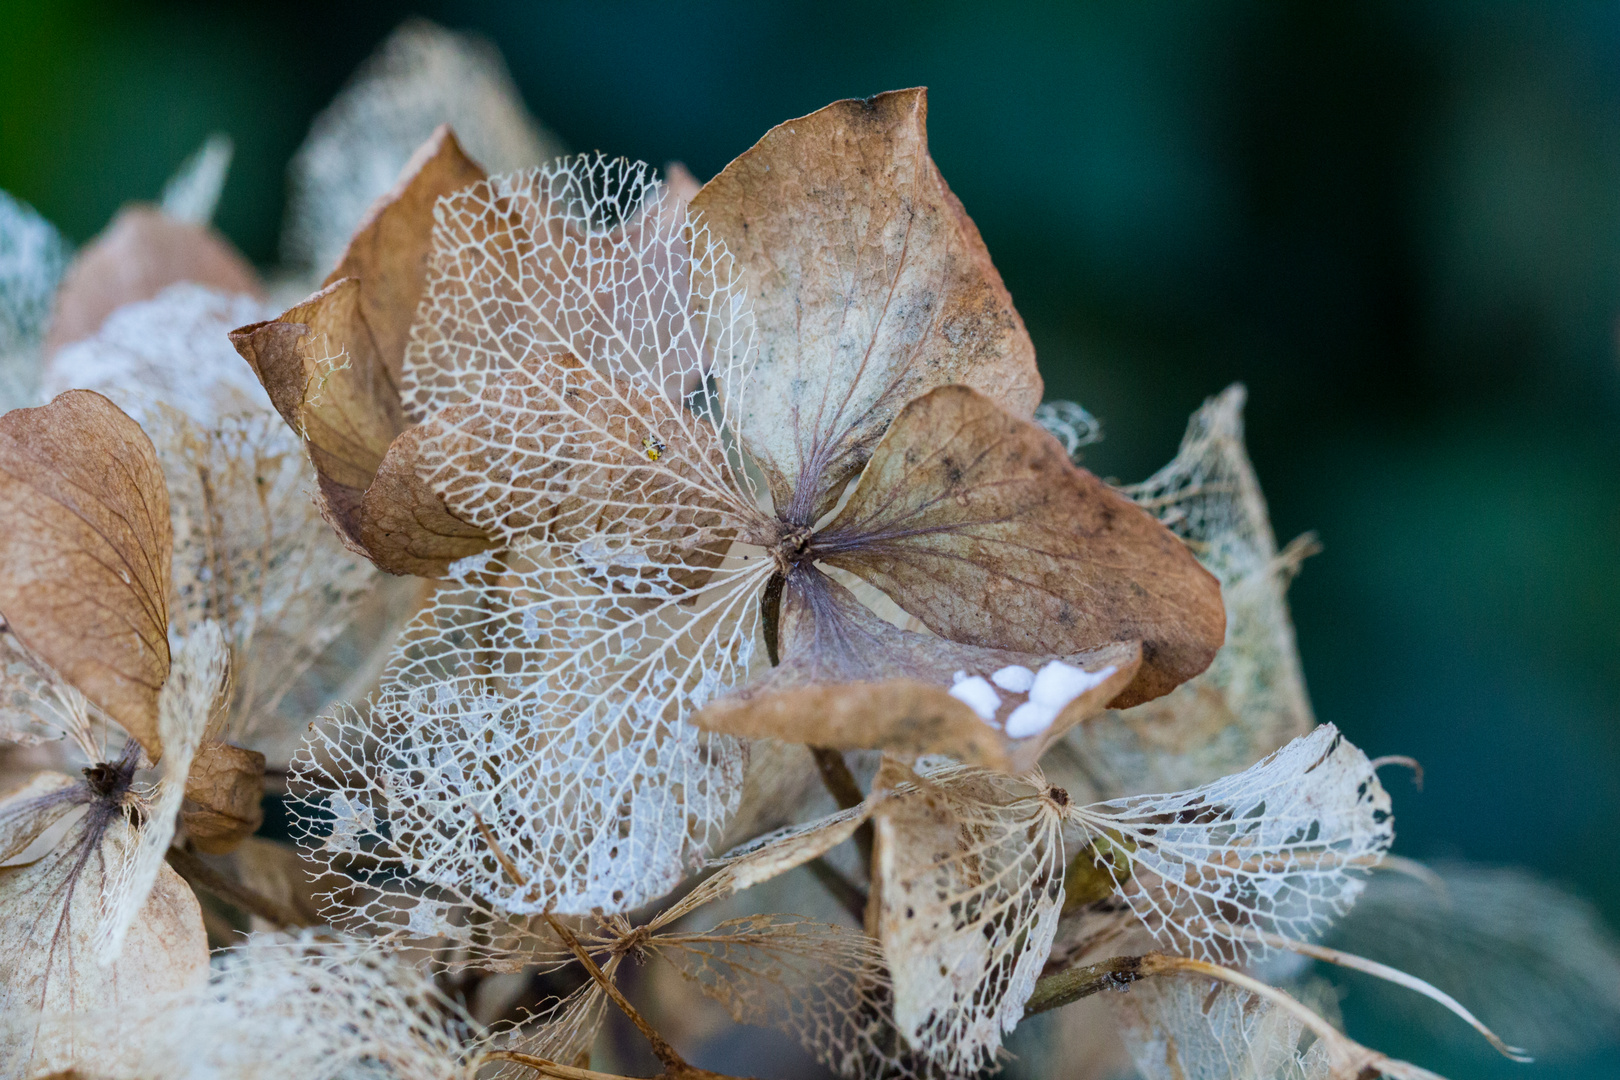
{"type": "Point", "coordinates": [1184, 1027]}
{"type": "Point", "coordinates": [277, 1006]}
{"type": "Point", "coordinates": [90, 915]}
{"type": "Point", "coordinates": [599, 379]}
{"type": "Point", "coordinates": [969, 882]}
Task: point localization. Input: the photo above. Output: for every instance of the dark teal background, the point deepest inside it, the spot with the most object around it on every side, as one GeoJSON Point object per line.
{"type": "Point", "coordinates": [1399, 223]}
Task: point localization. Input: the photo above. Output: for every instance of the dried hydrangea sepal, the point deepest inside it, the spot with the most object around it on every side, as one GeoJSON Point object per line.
{"type": "Point", "coordinates": [86, 553]}
{"type": "Point", "coordinates": [1281, 848]}
{"type": "Point", "coordinates": [332, 364]}
{"type": "Point", "coordinates": [869, 284]}
{"type": "Point", "coordinates": [977, 523]}
{"type": "Point", "coordinates": [967, 889]}
{"type": "Point", "coordinates": [389, 249]}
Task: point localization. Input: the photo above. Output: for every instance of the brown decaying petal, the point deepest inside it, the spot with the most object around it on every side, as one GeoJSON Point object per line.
{"type": "Point", "coordinates": [870, 285]}
{"type": "Point", "coordinates": [848, 679]}
{"type": "Point", "coordinates": [85, 550]}
{"type": "Point", "coordinates": [976, 522]}
{"type": "Point", "coordinates": [331, 363]}
{"type": "Point", "coordinates": [224, 793]}
{"type": "Point", "coordinates": [404, 525]}
{"type": "Point", "coordinates": [388, 251]}
{"type": "Point", "coordinates": [136, 257]}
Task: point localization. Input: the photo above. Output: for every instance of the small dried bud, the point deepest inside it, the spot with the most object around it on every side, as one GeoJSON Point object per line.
{"type": "Point", "coordinates": [224, 794]}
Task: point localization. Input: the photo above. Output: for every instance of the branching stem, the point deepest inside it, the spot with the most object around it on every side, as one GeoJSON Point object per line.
{"type": "Point", "coordinates": [674, 1064]}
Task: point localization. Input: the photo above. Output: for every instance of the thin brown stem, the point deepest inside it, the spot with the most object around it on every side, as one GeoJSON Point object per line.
{"type": "Point", "coordinates": [549, 1068]}
{"type": "Point", "coordinates": [836, 775]}
{"type": "Point", "coordinates": [202, 876]}
{"type": "Point", "coordinates": [839, 887]}
{"type": "Point", "coordinates": [569, 1072]}
{"type": "Point", "coordinates": [661, 1048]}
{"type": "Point", "coordinates": [840, 783]}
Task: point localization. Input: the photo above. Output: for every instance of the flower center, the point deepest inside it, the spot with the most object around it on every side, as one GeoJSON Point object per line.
{"type": "Point", "coordinates": [106, 779]}
{"type": "Point", "coordinates": [792, 549]}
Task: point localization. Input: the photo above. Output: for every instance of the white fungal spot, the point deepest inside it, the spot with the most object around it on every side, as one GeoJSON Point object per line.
{"type": "Point", "coordinates": [1030, 718]}
{"type": "Point", "coordinates": [1014, 678]}
{"type": "Point", "coordinates": [1058, 683]}
{"type": "Point", "coordinates": [1050, 692]}
{"type": "Point", "coordinates": [977, 694]}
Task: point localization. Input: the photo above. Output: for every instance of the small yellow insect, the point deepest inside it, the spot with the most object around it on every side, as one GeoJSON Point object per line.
{"type": "Point", "coordinates": [654, 448]}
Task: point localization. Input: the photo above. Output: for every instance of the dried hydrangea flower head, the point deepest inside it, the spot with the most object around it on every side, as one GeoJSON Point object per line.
{"type": "Point", "coordinates": [89, 912]}
{"type": "Point", "coordinates": [611, 403]}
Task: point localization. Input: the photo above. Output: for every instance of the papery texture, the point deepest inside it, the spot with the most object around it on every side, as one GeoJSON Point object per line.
{"type": "Point", "coordinates": [140, 254]}
{"type": "Point", "coordinates": [86, 552]}
{"type": "Point", "coordinates": [1190, 1029]}
{"type": "Point", "coordinates": [168, 350]}
{"type": "Point", "coordinates": [969, 881]}
{"type": "Point", "coordinates": [850, 679]}
{"type": "Point", "coordinates": [291, 1007]}
{"type": "Point", "coordinates": [33, 256]}
{"type": "Point", "coordinates": [870, 285]}
{"type": "Point", "coordinates": [976, 522]}
{"type": "Point", "coordinates": [545, 687]}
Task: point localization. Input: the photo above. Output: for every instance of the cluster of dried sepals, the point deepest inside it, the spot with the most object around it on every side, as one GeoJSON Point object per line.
{"type": "Point", "coordinates": [761, 466]}
{"type": "Point", "coordinates": [165, 592]}
{"type": "Point", "coordinates": [641, 441]}
{"type": "Point", "coordinates": [712, 490]}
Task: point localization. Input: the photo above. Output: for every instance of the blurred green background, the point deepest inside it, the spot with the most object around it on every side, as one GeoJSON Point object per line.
{"type": "Point", "coordinates": [1398, 223]}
